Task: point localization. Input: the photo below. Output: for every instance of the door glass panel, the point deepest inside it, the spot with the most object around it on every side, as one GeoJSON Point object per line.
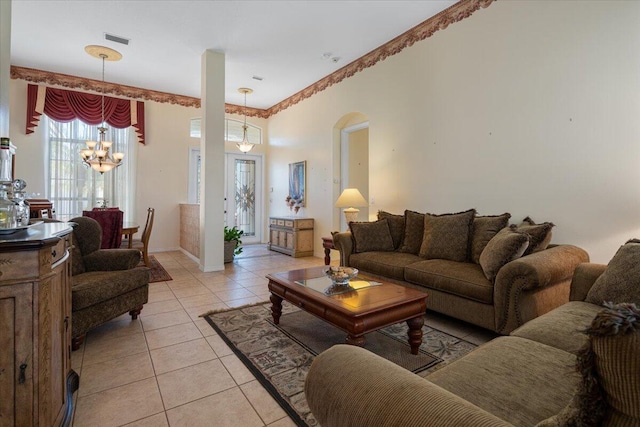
{"type": "Point", "coordinates": [245, 196]}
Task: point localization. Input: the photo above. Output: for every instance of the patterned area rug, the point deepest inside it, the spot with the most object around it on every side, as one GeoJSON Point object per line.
{"type": "Point", "coordinates": [157, 272]}
{"type": "Point", "coordinates": [279, 356]}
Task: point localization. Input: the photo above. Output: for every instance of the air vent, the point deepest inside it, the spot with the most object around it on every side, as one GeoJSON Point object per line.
{"type": "Point", "coordinates": [116, 39]}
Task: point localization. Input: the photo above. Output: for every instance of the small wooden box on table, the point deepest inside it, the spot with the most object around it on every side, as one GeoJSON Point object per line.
{"type": "Point", "coordinates": [291, 236]}
{"type": "Point", "coordinates": [358, 312]}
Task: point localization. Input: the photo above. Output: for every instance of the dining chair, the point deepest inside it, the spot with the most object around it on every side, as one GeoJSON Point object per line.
{"type": "Point", "coordinates": [111, 223]}
{"type": "Point", "coordinates": [143, 243]}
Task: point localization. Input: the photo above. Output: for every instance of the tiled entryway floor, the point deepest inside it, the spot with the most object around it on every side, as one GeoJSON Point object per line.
{"type": "Point", "coordinates": [169, 368]}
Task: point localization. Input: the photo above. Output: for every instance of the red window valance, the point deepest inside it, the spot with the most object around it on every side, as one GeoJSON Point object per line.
{"type": "Point", "coordinates": [66, 105]}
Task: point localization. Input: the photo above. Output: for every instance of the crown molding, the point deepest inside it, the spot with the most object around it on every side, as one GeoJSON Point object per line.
{"type": "Point", "coordinates": [455, 13]}
{"type": "Point", "coordinates": [65, 80]}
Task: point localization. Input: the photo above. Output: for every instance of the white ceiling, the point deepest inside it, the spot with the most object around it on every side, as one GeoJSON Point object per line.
{"type": "Point", "coordinates": [281, 41]}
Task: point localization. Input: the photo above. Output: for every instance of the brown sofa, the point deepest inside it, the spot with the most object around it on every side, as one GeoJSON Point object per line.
{"type": "Point", "coordinates": [526, 379]}
{"type": "Point", "coordinates": [522, 289]}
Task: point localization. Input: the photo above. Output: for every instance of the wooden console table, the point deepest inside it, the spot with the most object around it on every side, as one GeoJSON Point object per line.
{"type": "Point", "coordinates": [327, 244]}
{"type": "Point", "coordinates": [291, 236]}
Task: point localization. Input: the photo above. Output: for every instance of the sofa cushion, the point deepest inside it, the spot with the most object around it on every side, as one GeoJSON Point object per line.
{"type": "Point", "coordinates": [609, 392]}
{"type": "Point", "coordinates": [446, 236]}
{"type": "Point", "coordinates": [620, 282]}
{"type": "Point", "coordinates": [483, 230]}
{"type": "Point", "coordinates": [396, 227]}
{"type": "Point", "coordinates": [413, 232]}
{"type": "Point", "coordinates": [539, 234]}
{"type": "Point", "coordinates": [97, 286]}
{"type": "Point", "coordinates": [388, 264]}
{"type": "Point", "coordinates": [518, 380]}
{"type": "Point", "coordinates": [615, 343]}
{"type": "Point", "coordinates": [563, 327]}
{"type": "Point", "coordinates": [371, 236]}
{"type": "Point", "coordinates": [459, 278]}
{"type": "Point", "coordinates": [504, 247]}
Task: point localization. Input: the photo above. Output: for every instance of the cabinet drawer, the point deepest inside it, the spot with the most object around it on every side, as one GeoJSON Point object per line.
{"type": "Point", "coordinates": [305, 223]}
{"type": "Point", "coordinates": [288, 223]}
{"type": "Point", "coordinates": [273, 221]}
{"type": "Point", "coordinates": [21, 265]}
{"type": "Point", "coordinates": [280, 222]}
{"type": "Point", "coordinates": [58, 251]}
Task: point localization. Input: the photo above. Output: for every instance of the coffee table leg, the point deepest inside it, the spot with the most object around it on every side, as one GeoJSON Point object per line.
{"type": "Point", "coordinates": [276, 308]}
{"type": "Point", "coordinates": [359, 341]}
{"type": "Point", "coordinates": [415, 333]}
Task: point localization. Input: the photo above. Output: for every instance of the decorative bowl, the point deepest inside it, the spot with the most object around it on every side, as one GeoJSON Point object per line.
{"type": "Point", "coordinates": [341, 275]}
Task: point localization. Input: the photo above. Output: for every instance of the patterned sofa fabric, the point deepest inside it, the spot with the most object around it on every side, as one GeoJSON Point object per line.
{"type": "Point", "coordinates": [535, 377]}
{"type": "Point", "coordinates": [523, 289]}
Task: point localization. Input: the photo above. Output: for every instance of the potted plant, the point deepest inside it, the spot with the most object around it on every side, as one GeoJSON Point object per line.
{"type": "Point", "coordinates": [232, 243]}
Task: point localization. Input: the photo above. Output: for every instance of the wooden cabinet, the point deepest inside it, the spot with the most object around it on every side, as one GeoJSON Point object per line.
{"type": "Point", "coordinates": [291, 236]}
{"type": "Point", "coordinates": [36, 380]}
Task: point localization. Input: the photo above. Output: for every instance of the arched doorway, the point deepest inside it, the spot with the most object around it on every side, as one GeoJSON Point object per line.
{"type": "Point", "coordinates": [351, 162]}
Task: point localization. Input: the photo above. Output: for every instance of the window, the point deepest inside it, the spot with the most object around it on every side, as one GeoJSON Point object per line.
{"type": "Point", "coordinates": [73, 187]}
{"type": "Point", "coordinates": [232, 131]}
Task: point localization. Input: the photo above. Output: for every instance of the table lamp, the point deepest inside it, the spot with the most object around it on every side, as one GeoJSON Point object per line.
{"type": "Point", "coordinates": [351, 199]}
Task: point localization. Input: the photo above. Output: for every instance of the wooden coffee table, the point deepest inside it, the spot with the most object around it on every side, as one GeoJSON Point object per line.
{"type": "Point", "coordinates": [357, 312]}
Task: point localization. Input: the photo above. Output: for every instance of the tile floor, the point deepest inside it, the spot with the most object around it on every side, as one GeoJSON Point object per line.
{"type": "Point", "coordinates": [169, 368]}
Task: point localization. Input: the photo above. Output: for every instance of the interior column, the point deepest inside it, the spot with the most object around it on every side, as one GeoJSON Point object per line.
{"type": "Point", "coordinates": [5, 65]}
{"type": "Point", "coordinates": [212, 162]}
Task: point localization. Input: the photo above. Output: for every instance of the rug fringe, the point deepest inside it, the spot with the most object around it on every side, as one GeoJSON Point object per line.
{"type": "Point", "coordinates": [240, 307]}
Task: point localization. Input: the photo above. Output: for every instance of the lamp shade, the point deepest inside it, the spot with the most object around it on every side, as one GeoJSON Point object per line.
{"type": "Point", "coordinates": [351, 198]}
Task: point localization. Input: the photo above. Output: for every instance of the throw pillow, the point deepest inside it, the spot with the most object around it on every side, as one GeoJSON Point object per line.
{"type": "Point", "coordinates": [446, 236]}
{"type": "Point", "coordinates": [609, 392]}
{"type": "Point", "coordinates": [413, 231]}
{"type": "Point", "coordinates": [371, 236]}
{"type": "Point", "coordinates": [508, 244]}
{"type": "Point", "coordinates": [539, 234]}
{"type": "Point", "coordinates": [396, 227]}
{"type": "Point", "coordinates": [484, 228]}
{"type": "Point", "coordinates": [620, 282]}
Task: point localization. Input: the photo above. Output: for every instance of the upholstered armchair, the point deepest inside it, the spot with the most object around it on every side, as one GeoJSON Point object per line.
{"type": "Point", "coordinates": [105, 282]}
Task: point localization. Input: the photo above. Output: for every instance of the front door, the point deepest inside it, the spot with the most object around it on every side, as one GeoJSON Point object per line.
{"type": "Point", "coordinates": [244, 195]}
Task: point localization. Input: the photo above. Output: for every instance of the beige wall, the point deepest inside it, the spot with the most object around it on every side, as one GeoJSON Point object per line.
{"type": "Point", "coordinates": [526, 107]}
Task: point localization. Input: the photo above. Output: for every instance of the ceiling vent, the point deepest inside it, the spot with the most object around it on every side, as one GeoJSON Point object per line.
{"type": "Point", "coordinates": [116, 39]}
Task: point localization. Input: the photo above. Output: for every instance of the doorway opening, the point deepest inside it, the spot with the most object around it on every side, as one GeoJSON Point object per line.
{"type": "Point", "coordinates": [351, 153]}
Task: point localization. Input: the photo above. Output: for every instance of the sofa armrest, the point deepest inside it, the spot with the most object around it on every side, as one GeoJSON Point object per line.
{"type": "Point", "coordinates": [350, 386]}
{"type": "Point", "coordinates": [529, 273]}
{"type": "Point", "coordinates": [583, 278]}
{"type": "Point", "coordinates": [343, 243]}
{"type": "Point", "coordinates": [112, 259]}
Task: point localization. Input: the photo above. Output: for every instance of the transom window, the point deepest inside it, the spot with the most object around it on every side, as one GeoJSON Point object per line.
{"type": "Point", "coordinates": [232, 131]}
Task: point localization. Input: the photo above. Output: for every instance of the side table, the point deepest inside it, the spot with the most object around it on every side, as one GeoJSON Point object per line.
{"type": "Point", "coordinates": [327, 244]}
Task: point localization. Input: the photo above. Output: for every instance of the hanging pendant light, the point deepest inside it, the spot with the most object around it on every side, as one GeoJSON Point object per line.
{"type": "Point", "coordinates": [97, 155]}
{"type": "Point", "coordinates": [245, 146]}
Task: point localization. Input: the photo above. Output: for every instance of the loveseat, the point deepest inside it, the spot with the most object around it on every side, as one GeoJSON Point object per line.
{"type": "Point", "coordinates": [474, 268]}
{"type": "Point", "coordinates": [546, 373]}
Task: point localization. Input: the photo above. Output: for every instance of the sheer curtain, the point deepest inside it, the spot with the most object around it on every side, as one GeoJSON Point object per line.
{"type": "Point", "coordinates": [73, 187]}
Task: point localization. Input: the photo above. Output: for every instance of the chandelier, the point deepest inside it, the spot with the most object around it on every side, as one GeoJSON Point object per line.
{"type": "Point", "coordinates": [245, 146]}
{"type": "Point", "coordinates": [97, 155]}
